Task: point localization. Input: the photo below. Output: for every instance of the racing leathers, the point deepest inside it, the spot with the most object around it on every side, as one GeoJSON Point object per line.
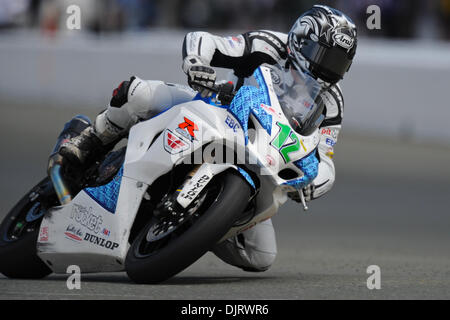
{"type": "Point", "coordinates": [244, 53]}
{"type": "Point", "coordinates": [136, 99]}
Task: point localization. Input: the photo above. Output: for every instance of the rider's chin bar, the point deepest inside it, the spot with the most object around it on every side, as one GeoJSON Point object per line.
{"type": "Point", "coordinates": [55, 174]}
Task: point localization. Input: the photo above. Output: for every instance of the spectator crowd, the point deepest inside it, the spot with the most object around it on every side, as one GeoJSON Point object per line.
{"type": "Point", "coordinates": [399, 18]}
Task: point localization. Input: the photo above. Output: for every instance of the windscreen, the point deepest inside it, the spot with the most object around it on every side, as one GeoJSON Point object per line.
{"type": "Point", "coordinates": [299, 97]}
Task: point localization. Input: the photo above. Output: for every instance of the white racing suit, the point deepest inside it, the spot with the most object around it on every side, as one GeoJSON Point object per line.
{"type": "Point", "coordinates": [137, 99]}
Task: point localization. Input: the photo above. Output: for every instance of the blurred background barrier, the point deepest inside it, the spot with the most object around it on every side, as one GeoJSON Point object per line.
{"type": "Point", "coordinates": [398, 88]}
{"type": "Point", "coordinates": [397, 85]}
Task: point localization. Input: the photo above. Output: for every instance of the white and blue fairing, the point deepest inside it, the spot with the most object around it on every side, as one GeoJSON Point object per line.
{"type": "Point", "coordinates": [247, 101]}
{"type": "Point", "coordinates": [108, 211]}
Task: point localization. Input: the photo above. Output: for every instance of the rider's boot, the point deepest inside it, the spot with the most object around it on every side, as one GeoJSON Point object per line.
{"type": "Point", "coordinates": [125, 109]}
{"type": "Point", "coordinates": [94, 141]}
{"type": "Point", "coordinates": [83, 147]}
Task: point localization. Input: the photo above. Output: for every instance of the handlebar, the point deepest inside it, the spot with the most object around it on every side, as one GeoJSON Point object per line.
{"type": "Point", "coordinates": [225, 92]}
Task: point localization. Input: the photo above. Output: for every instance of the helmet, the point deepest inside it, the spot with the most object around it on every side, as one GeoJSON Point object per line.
{"type": "Point", "coordinates": [323, 43]}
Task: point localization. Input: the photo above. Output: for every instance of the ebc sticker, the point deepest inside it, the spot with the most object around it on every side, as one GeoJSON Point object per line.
{"type": "Point", "coordinates": [232, 124]}
{"type": "Point", "coordinates": [330, 142]}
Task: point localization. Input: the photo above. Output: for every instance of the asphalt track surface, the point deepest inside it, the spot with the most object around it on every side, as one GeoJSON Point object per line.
{"type": "Point", "coordinates": [389, 207]}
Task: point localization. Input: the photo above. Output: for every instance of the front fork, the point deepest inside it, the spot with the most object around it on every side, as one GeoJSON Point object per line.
{"type": "Point", "coordinates": [199, 178]}
{"type": "Point", "coordinates": [169, 201]}
{"type": "Point", "coordinates": [189, 176]}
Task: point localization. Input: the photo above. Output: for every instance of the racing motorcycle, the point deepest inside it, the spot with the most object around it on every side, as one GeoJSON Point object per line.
{"type": "Point", "coordinates": [156, 205]}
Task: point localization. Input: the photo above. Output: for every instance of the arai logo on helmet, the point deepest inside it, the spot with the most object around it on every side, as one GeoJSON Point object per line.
{"type": "Point", "coordinates": [344, 40]}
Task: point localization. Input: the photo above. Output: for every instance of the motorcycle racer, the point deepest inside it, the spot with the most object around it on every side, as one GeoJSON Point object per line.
{"type": "Point", "coordinates": [322, 44]}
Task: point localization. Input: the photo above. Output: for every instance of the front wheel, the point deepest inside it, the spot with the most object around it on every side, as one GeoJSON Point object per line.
{"type": "Point", "coordinates": [19, 232]}
{"type": "Point", "coordinates": [164, 248]}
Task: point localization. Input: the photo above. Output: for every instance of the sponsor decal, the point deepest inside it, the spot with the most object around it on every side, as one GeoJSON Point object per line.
{"type": "Point", "coordinates": [237, 39]}
{"type": "Point", "coordinates": [286, 142]}
{"type": "Point", "coordinates": [86, 218]}
{"type": "Point", "coordinates": [268, 108]}
{"type": "Point", "coordinates": [106, 232]}
{"type": "Point", "coordinates": [326, 131]}
{"type": "Point", "coordinates": [195, 188]}
{"type": "Point", "coordinates": [343, 40]}
{"type": "Point", "coordinates": [330, 153]}
{"type": "Point", "coordinates": [270, 160]}
{"type": "Point", "coordinates": [232, 40]}
{"type": "Point", "coordinates": [330, 142]}
{"type": "Point", "coordinates": [329, 132]}
{"type": "Point", "coordinates": [100, 241]}
{"type": "Point", "coordinates": [193, 42]}
{"type": "Point", "coordinates": [43, 234]}
{"type": "Point", "coordinates": [276, 79]}
{"type": "Point", "coordinates": [173, 143]}
{"type": "Point", "coordinates": [187, 129]}
{"type": "Point", "coordinates": [308, 104]}
{"type": "Point", "coordinates": [231, 123]}
{"type": "Point", "coordinates": [73, 233]}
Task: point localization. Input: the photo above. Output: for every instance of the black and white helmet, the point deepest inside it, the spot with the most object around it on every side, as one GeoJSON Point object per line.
{"type": "Point", "coordinates": [323, 42]}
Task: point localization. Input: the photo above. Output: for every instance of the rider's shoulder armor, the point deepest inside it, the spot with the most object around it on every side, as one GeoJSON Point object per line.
{"type": "Point", "coordinates": [259, 47]}
{"type": "Point", "coordinates": [268, 42]}
{"type": "Point", "coordinates": [334, 106]}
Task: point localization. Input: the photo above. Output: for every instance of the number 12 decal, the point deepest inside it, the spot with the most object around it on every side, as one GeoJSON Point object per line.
{"type": "Point", "coordinates": [280, 142]}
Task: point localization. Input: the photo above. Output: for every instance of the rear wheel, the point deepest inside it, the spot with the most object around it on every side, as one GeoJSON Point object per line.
{"type": "Point", "coordinates": [171, 242]}
{"type": "Point", "coordinates": [19, 231]}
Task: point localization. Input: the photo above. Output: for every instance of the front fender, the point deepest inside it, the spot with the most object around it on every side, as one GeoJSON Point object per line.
{"type": "Point", "coordinates": [203, 176]}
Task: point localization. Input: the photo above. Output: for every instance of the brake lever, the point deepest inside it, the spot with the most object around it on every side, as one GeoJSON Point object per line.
{"type": "Point", "coordinates": [226, 94]}
{"type": "Point", "coordinates": [302, 199]}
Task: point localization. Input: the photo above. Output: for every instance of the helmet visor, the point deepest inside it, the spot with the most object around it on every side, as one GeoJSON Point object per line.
{"type": "Point", "coordinates": [330, 63]}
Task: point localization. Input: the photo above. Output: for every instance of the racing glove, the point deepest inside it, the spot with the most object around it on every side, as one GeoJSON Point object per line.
{"type": "Point", "coordinates": [200, 77]}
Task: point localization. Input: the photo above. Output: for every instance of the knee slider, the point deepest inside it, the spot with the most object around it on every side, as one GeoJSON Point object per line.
{"type": "Point", "coordinates": [260, 261]}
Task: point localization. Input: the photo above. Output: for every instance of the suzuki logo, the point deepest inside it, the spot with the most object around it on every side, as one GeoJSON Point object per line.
{"type": "Point", "coordinates": [190, 126]}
